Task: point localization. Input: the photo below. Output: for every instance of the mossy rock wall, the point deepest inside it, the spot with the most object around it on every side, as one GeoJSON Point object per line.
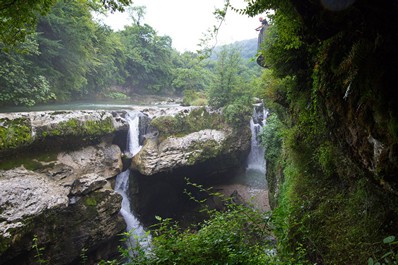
{"type": "Point", "coordinates": [38, 131]}
{"type": "Point", "coordinates": [191, 138]}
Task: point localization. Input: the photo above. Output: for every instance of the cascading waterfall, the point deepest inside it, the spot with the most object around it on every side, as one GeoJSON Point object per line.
{"type": "Point", "coordinates": [122, 183]}
{"type": "Point", "coordinates": [133, 144]}
{"type": "Point", "coordinates": [252, 184]}
{"type": "Point", "coordinates": [256, 159]}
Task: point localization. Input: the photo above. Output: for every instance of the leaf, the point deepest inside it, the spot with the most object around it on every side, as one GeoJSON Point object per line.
{"type": "Point", "coordinates": [387, 254]}
{"type": "Point", "coordinates": [388, 239]}
{"type": "Point", "coordinates": [158, 218]}
{"type": "Point", "coordinates": [370, 261]}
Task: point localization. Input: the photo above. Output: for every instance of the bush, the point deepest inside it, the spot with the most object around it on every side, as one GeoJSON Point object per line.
{"type": "Point", "coordinates": [116, 95]}
{"type": "Point", "coordinates": [238, 235]}
{"type": "Point", "coordinates": [194, 98]}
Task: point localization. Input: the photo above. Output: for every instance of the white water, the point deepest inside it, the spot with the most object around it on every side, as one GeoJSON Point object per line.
{"type": "Point", "coordinates": [255, 160]}
{"type": "Point", "coordinates": [122, 186]}
{"type": "Point", "coordinates": [133, 143]}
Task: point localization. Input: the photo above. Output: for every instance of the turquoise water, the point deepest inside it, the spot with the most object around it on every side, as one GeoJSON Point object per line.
{"type": "Point", "coordinates": [81, 105]}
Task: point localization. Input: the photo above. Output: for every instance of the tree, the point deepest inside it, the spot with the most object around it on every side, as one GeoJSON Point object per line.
{"type": "Point", "coordinates": [190, 73]}
{"type": "Point", "coordinates": [148, 59]}
{"type": "Point", "coordinates": [20, 84]}
{"type": "Point", "coordinates": [106, 68]}
{"type": "Point", "coordinates": [19, 17]}
{"type": "Point", "coordinates": [226, 78]}
{"type": "Point", "coordinates": [67, 48]}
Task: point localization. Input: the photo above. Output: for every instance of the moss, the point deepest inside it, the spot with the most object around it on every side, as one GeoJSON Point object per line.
{"type": "Point", "coordinates": [74, 127]}
{"type": "Point", "coordinates": [90, 201]}
{"type": "Point", "coordinates": [5, 243]}
{"type": "Point", "coordinates": [209, 149]}
{"type": "Point", "coordinates": [30, 161]}
{"type": "Point", "coordinates": [183, 124]}
{"type": "Point", "coordinates": [15, 133]}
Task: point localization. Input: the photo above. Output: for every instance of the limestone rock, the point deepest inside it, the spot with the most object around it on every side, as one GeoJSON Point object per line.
{"type": "Point", "coordinates": [24, 194]}
{"type": "Point", "coordinates": [65, 128]}
{"type": "Point", "coordinates": [194, 148]}
{"type": "Point", "coordinates": [68, 203]}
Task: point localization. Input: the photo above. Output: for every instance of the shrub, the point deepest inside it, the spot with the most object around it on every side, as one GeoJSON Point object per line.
{"type": "Point", "coordinates": [116, 95]}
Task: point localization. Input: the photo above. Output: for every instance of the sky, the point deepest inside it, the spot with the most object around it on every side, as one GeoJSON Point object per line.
{"type": "Point", "coordinates": [185, 21]}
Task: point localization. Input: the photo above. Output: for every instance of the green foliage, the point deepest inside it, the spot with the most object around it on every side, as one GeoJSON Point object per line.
{"type": "Point", "coordinates": [90, 201]}
{"type": "Point", "coordinates": [148, 58]}
{"type": "Point", "coordinates": [230, 237]}
{"type": "Point", "coordinates": [19, 81]}
{"type": "Point", "coordinates": [67, 48]}
{"type": "Point", "coordinates": [116, 95]}
{"type": "Point", "coordinates": [237, 114]}
{"type": "Point", "coordinates": [271, 137]}
{"type": "Point", "coordinates": [226, 78]}
{"type": "Point", "coordinates": [38, 251]}
{"type": "Point", "coordinates": [83, 256]}
{"type": "Point", "coordinates": [390, 257]}
{"type": "Point", "coordinates": [325, 86]}
{"type": "Point", "coordinates": [19, 18]}
{"type": "Point", "coordinates": [190, 73]}
{"type": "Point", "coordinates": [83, 129]}
{"type": "Point", "coordinates": [193, 98]}
{"type": "Point", "coordinates": [238, 235]}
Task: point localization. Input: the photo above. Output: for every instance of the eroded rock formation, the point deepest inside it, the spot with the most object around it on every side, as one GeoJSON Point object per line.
{"type": "Point", "coordinates": [195, 138]}
{"type": "Point", "coordinates": [68, 203]}
{"type": "Point", "coordinates": [57, 172]}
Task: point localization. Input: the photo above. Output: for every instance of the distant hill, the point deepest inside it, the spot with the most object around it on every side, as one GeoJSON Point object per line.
{"type": "Point", "coordinates": [248, 48]}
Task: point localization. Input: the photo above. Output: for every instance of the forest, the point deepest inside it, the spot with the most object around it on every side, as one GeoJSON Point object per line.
{"type": "Point", "coordinates": [71, 56]}
{"type": "Point", "coordinates": [330, 82]}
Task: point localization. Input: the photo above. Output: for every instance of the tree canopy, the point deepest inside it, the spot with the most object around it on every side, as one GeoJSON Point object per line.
{"type": "Point", "coordinates": [19, 18]}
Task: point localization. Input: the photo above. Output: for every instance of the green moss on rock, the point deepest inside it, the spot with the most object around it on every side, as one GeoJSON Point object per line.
{"type": "Point", "coordinates": [183, 124]}
{"type": "Point", "coordinates": [75, 127]}
{"type": "Point", "coordinates": [15, 133]}
{"type": "Point", "coordinates": [90, 201]}
{"type": "Point", "coordinates": [31, 161]}
{"type": "Point", "coordinates": [209, 149]}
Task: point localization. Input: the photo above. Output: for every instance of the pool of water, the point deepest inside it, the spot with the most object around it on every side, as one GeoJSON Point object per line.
{"type": "Point", "coordinates": [84, 105]}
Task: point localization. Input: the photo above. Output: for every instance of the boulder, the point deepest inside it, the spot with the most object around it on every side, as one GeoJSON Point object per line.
{"type": "Point", "coordinates": [56, 129]}
{"type": "Point", "coordinates": [189, 150]}
{"type": "Point", "coordinates": [190, 139]}
{"type": "Point", "coordinates": [68, 203]}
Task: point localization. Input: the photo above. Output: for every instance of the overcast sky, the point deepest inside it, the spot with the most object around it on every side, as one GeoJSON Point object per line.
{"type": "Point", "coordinates": [185, 21]}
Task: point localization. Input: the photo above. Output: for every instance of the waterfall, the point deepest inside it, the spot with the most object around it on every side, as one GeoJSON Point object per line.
{"type": "Point", "coordinates": [255, 160]}
{"type": "Point", "coordinates": [122, 184]}
{"type": "Point", "coordinates": [133, 142]}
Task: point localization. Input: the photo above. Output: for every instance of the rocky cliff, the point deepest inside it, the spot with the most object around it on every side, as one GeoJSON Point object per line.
{"type": "Point", "coordinates": [189, 139]}
{"type": "Point", "coordinates": [55, 183]}
{"type": "Point", "coordinates": [57, 171]}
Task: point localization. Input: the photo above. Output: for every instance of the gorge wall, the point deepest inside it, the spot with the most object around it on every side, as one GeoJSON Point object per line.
{"type": "Point", "coordinates": [58, 171]}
